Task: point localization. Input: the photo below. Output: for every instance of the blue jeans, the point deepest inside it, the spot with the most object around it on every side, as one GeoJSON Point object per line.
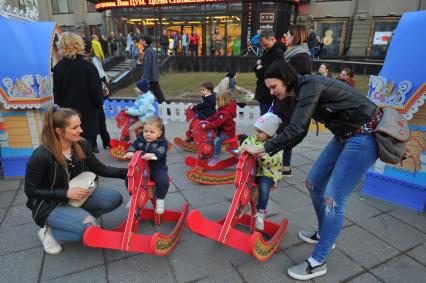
{"type": "Point", "coordinates": [218, 143]}
{"type": "Point", "coordinates": [264, 184]}
{"type": "Point", "coordinates": [164, 50]}
{"type": "Point", "coordinates": [183, 51]}
{"type": "Point", "coordinates": [287, 158]}
{"type": "Point", "coordinates": [332, 178]}
{"type": "Point", "coordinates": [69, 223]}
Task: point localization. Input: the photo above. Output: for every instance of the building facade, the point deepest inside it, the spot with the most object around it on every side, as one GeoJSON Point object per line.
{"type": "Point", "coordinates": [78, 16]}
{"type": "Point", "coordinates": [348, 28]}
{"type": "Point", "coordinates": [355, 28]}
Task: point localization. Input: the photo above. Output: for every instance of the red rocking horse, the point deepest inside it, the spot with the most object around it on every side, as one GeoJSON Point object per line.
{"type": "Point", "coordinates": [124, 237]}
{"type": "Point", "coordinates": [205, 152]}
{"type": "Point", "coordinates": [119, 146]}
{"type": "Point", "coordinates": [224, 230]}
{"type": "Point", "coordinates": [190, 134]}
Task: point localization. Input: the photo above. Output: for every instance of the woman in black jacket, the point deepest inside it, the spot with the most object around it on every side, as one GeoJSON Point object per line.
{"type": "Point", "coordinates": [62, 156]}
{"type": "Point", "coordinates": [77, 85]}
{"type": "Point", "coordinates": [352, 118]}
{"type": "Point", "coordinates": [297, 54]}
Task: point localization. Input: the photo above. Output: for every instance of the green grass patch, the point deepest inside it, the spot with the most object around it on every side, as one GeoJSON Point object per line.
{"type": "Point", "coordinates": [179, 84]}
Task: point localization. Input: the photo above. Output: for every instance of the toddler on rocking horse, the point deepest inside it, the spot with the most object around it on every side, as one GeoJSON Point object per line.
{"type": "Point", "coordinates": [143, 108]}
{"type": "Point", "coordinates": [222, 122]}
{"type": "Point", "coordinates": [268, 167]}
{"type": "Point", "coordinates": [204, 109]}
{"type": "Point", "coordinates": [154, 146]}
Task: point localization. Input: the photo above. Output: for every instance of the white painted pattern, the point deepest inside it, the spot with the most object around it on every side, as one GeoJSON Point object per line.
{"type": "Point", "coordinates": [246, 116]}
{"type": "Point", "coordinates": [33, 129]}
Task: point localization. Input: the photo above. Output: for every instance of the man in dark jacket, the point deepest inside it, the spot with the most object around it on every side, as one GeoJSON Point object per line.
{"type": "Point", "coordinates": [164, 42]}
{"type": "Point", "coordinates": [272, 52]}
{"type": "Point", "coordinates": [151, 71]}
{"type": "Point", "coordinates": [312, 42]}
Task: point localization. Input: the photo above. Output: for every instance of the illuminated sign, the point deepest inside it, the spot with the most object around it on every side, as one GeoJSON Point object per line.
{"type": "Point", "coordinates": [267, 18]}
{"type": "Point", "coordinates": [141, 3]}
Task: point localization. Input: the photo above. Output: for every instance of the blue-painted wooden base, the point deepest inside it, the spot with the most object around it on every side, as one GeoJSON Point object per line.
{"type": "Point", "coordinates": [396, 191]}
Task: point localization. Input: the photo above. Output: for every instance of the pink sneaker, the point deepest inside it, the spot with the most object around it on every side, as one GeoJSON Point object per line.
{"type": "Point", "coordinates": [214, 160]}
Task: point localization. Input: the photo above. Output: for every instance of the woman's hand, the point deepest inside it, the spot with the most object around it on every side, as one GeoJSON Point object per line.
{"type": "Point", "coordinates": [77, 193]}
{"type": "Point", "coordinates": [129, 155]}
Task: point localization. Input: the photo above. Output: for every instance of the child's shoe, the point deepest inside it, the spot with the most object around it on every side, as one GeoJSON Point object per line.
{"type": "Point", "coordinates": [214, 160]}
{"type": "Point", "coordinates": [159, 206]}
{"type": "Point", "coordinates": [50, 245]}
{"type": "Point", "coordinates": [260, 216]}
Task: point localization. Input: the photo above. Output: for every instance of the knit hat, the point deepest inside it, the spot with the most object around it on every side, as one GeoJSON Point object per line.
{"type": "Point", "coordinates": [143, 85]}
{"type": "Point", "coordinates": [268, 123]}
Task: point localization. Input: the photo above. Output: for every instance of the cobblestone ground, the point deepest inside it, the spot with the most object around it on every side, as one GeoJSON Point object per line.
{"type": "Point", "coordinates": [379, 243]}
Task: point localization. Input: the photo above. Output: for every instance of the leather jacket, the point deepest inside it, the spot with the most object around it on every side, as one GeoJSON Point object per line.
{"type": "Point", "coordinates": [46, 181]}
{"type": "Point", "coordinates": [328, 101]}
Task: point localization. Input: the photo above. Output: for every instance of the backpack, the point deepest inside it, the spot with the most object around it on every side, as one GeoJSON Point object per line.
{"type": "Point", "coordinates": [392, 134]}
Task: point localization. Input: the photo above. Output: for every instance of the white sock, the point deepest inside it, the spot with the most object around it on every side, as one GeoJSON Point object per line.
{"type": "Point", "coordinates": [313, 262]}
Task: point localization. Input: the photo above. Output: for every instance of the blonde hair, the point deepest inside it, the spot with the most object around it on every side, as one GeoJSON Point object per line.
{"type": "Point", "coordinates": [155, 121]}
{"type": "Point", "coordinates": [223, 98]}
{"type": "Point", "coordinates": [71, 45]}
{"type": "Point", "coordinates": [56, 117]}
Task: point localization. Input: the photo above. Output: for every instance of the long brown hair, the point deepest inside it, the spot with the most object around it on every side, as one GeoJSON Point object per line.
{"type": "Point", "coordinates": [56, 117]}
{"type": "Point", "coordinates": [299, 33]}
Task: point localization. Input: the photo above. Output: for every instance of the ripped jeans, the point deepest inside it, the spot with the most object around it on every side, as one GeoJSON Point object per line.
{"type": "Point", "coordinates": [331, 180]}
{"type": "Point", "coordinates": [69, 223]}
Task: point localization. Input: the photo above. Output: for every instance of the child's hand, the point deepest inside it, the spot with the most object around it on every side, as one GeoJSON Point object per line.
{"type": "Point", "coordinates": [129, 155]}
{"type": "Point", "coordinates": [149, 156]}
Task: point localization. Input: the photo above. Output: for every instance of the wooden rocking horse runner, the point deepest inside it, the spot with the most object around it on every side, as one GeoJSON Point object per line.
{"type": "Point", "coordinates": [205, 153]}
{"type": "Point", "coordinates": [124, 237]}
{"type": "Point", "coordinates": [224, 230]}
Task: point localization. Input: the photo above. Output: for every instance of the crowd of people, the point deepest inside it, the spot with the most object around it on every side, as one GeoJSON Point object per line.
{"type": "Point", "coordinates": [289, 97]}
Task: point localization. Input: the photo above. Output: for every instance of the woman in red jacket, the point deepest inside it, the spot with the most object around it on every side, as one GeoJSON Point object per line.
{"type": "Point", "coordinates": [223, 122]}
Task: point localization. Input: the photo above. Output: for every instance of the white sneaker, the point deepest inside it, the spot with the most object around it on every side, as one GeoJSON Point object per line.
{"type": "Point", "coordinates": [259, 224]}
{"type": "Point", "coordinates": [159, 206]}
{"type": "Point", "coordinates": [50, 245]}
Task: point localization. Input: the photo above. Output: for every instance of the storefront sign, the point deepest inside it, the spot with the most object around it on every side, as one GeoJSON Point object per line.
{"type": "Point", "coordinates": [381, 37]}
{"type": "Point", "coordinates": [102, 5]}
{"type": "Point", "coordinates": [267, 18]}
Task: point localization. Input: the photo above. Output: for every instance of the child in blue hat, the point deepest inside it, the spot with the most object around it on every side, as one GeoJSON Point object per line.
{"type": "Point", "coordinates": [143, 107]}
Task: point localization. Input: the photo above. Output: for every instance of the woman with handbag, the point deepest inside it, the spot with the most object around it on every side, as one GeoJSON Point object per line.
{"type": "Point", "coordinates": [63, 156]}
{"type": "Point", "coordinates": [341, 164]}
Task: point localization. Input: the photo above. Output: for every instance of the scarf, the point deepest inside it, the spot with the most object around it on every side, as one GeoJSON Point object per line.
{"type": "Point", "coordinates": [297, 49]}
{"type": "Point", "coordinates": [231, 84]}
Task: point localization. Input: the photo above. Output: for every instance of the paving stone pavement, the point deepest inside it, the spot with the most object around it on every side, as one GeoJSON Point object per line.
{"type": "Point", "coordinates": [380, 242]}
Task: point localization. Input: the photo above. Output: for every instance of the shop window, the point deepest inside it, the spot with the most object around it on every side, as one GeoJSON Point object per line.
{"type": "Point", "coordinates": [233, 40]}
{"type": "Point", "coordinates": [382, 31]}
{"type": "Point", "coordinates": [62, 6]}
{"type": "Point", "coordinates": [91, 8]}
{"type": "Point", "coordinates": [332, 33]}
